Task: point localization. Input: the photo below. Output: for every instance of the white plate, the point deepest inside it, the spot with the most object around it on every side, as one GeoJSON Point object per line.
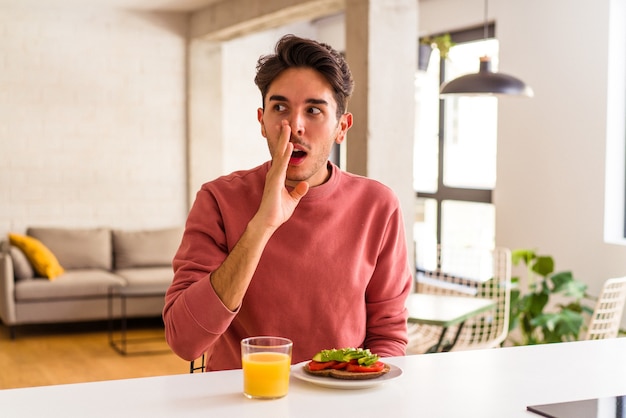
{"type": "Point", "coordinates": [297, 371]}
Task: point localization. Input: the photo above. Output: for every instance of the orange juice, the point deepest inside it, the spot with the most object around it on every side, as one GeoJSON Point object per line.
{"type": "Point", "coordinates": [265, 374]}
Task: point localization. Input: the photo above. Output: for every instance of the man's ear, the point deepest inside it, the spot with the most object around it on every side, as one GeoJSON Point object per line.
{"type": "Point", "coordinates": [344, 124]}
{"type": "Point", "coordinates": [259, 116]}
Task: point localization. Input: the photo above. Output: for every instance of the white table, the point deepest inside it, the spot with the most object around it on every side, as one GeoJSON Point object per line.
{"type": "Point", "coordinates": [445, 311]}
{"type": "Point", "coordinates": [499, 382]}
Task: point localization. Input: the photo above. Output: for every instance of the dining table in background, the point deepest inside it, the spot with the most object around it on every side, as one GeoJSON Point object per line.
{"type": "Point", "coordinates": [492, 383]}
{"type": "Point", "coordinates": [445, 311]}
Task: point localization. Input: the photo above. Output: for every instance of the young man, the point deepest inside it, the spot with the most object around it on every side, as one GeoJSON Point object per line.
{"type": "Point", "coordinates": [295, 247]}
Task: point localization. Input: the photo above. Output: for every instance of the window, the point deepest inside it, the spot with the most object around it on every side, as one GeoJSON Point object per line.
{"type": "Point", "coordinates": [455, 152]}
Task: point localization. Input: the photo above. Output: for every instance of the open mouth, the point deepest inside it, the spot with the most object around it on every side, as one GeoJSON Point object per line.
{"type": "Point", "coordinates": [297, 156]}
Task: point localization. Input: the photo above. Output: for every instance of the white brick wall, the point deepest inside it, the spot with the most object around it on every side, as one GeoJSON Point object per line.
{"type": "Point", "coordinates": [244, 146]}
{"type": "Point", "coordinates": [92, 118]}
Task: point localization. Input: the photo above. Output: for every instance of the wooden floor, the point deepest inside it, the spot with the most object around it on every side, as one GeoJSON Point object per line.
{"type": "Point", "coordinates": [71, 353]}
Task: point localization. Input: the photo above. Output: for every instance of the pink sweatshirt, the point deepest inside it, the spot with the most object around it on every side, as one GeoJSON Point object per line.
{"type": "Point", "coordinates": [334, 275]}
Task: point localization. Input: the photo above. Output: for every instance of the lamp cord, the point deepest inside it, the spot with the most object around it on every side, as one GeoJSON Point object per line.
{"type": "Point", "coordinates": [485, 25]}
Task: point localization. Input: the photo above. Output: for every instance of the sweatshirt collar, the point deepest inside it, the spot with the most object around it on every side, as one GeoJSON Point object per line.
{"type": "Point", "coordinates": [324, 189]}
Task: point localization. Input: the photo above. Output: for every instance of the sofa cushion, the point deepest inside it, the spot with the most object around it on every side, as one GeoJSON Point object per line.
{"type": "Point", "coordinates": [42, 259]}
{"type": "Point", "coordinates": [145, 248]}
{"type": "Point", "coordinates": [77, 248]}
{"type": "Point", "coordinates": [72, 284]}
{"type": "Point", "coordinates": [147, 275]}
{"type": "Point", "coordinates": [22, 269]}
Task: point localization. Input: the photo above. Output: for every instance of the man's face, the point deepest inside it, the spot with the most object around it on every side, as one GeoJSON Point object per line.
{"type": "Point", "coordinates": [304, 98]}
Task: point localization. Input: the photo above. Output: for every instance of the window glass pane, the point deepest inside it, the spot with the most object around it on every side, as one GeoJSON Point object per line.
{"type": "Point", "coordinates": [425, 151]}
{"type": "Point", "coordinates": [464, 58]}
{"type": "Point", "coordinates": [470, 123]}
{"type": "Point", "coordinates": [469, 157]}
{"type": "Point", "coordinates": [425, 233]}
{"type": "Point", "coordinates": [467, 224]}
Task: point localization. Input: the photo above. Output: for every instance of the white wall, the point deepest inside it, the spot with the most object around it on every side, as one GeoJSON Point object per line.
{"type": "Point", "coordinates": [615, 200]}
{"type": "Point", "coordinates": [225, 134]}
{"type": "Point", "coordinates": [550, 192]}
{"type": "Point", "coordinates": [92, 118]}
{"type": "Point", "coordinates": [244, 145]}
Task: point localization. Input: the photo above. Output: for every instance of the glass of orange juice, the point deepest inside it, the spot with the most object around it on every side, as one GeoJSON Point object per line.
{"type": "Point", "coordinates": [266, 362]}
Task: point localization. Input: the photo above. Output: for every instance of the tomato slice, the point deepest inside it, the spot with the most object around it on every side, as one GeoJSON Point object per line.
{"type": "Point", "coordinates": [318, 365]}
{"type": "Point", "coordinates": [376, 367]}
{"type": "Point", "coordinates": [339, 365]}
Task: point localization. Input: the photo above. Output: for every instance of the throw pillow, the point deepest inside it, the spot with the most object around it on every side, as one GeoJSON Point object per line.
{"type": "Point", "coordinates": [77, 248]}
{"type": "Point", "coordinates": [22, 269]}
{"type": "Point", "coordinates": [42, 259]}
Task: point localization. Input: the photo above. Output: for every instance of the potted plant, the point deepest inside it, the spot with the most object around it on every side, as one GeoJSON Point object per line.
{"type": "Point", "coordinates": [564, 320]}
{"type": "Point", "coordinates": [442, 42]}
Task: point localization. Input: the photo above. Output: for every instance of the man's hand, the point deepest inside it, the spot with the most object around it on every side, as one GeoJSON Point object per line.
{"type": "Point", "coordinates": [278, 204]}
{"type": "Point", "coordinates": [231, 280]}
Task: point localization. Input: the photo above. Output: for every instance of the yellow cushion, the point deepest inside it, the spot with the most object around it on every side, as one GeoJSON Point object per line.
{"type": "Point", "coordinates": [42, 259]}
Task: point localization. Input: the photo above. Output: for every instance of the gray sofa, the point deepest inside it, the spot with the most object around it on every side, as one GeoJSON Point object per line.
{"type": "Point", "coordinates": [94, 259]}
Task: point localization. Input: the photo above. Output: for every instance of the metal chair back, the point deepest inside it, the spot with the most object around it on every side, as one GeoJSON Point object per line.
{"type": "Point", "coordinates": [469, 272]}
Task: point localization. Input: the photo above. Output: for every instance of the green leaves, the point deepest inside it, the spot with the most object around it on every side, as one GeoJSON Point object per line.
{"type": "Point", "coordinates": [543, 265]}
{"type": "Point", "coordinates": [442, 42]}
{"type": "Point", "coordinates": [363, 356]}
{"type": "Point", "coordinates": [564, 283]}
{"type": "Point", "coordinates": [562, 322]}
{"type": "Point", "coordinates": [524, 256]}
{"type": "Point", "coordinates": [559, 326]}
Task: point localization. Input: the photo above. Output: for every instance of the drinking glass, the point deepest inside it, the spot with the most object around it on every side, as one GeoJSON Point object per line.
{"type": "Point", "coordinates": [266, 362]}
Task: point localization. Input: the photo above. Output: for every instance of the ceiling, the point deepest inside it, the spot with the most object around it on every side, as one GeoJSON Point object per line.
{"type": "Point", "coordinates": [164, 5]}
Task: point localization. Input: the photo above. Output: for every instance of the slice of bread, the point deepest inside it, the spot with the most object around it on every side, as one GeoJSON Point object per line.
{"type": "Point", "coordinates": [342, 374]}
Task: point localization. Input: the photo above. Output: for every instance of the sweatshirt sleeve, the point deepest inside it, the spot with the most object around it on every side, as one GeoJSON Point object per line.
{"type": "Point", "coordinates": [387, 292]}
{"type": "Point", "coordinates": [194, 316]}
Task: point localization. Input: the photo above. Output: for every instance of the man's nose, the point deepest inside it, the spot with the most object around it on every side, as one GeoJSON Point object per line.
{"type": "Point", "coordinates": [297, 124]}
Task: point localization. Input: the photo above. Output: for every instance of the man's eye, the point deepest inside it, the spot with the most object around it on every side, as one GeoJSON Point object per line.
{"type": "Point", "coordinates": [315, 110]}
{"type": "Point", "coordinates": [279, 108]}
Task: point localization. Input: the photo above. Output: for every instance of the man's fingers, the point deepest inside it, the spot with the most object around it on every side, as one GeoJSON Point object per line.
{"type": "Point", "coordinates": [285, 135]}
{"type": "Point", "coordinates": [300, 190]}
{"type": "Point", "coordinates": [283, 150]}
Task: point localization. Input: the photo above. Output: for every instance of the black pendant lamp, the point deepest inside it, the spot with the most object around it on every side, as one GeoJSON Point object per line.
{"type": "Point", "coordinates": [486, 82]}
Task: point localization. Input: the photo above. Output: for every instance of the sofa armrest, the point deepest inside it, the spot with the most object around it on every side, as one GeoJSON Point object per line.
{"type": "Point", "coordinates": [7, 289]}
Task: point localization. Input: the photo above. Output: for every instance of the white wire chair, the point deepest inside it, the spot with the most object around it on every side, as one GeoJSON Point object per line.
{"type": "Point", "coordinates": [607, 315]}
{"type": "Point", "coordinates": [469, 272]}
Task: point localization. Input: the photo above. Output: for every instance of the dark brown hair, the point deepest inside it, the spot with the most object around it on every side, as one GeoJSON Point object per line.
{"type": "Point", "coordinates": [292, 52]}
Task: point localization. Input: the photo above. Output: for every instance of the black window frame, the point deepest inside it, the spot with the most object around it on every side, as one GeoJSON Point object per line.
{"type": "Point", "coordinates": [444, 192]}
